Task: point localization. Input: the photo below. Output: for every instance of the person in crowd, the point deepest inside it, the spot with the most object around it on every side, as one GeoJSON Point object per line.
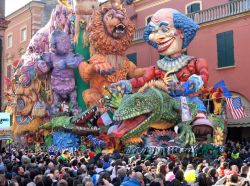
{"type": "Point", "coordinates": [190, 174]}
{"type": "Point", "coordinates": [212, 176]}
{"type": "Point", "coordinates": [170, 175]}
{"type": "Point", "coordinates": [136, 179]}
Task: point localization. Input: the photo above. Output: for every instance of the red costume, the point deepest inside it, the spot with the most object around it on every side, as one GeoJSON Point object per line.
{"type": "Point", "coordinates": [194, 66]}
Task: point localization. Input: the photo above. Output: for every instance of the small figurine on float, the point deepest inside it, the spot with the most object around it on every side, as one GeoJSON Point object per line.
{"type": "Point", "coordinates": [217, 97]}
{"type": "Point", "coordinates": [61, 62]}
{"type": "Point", "coordinates": [170, 32]}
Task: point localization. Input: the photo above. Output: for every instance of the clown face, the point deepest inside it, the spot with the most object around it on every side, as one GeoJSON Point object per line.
{"type": "Point", "coordinates": [168, 38]}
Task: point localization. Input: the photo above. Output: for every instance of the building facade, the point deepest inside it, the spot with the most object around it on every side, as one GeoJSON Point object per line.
{"type": "Point", "coordinates": [3, 26]}
{"type": "Point", "coordinates": [24, 23]}
{"type": "Point", "coordinates": [222, 39]}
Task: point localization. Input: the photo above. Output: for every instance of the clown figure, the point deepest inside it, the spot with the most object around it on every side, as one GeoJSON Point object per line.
{"type": "Point", "coordinates": [170, 32]}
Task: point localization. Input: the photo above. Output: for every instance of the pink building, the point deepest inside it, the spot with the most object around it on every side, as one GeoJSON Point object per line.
{"type": "Point", "coordinates": [3, 26]}
{"type": "Point", "coordinates": [222, 40]}
{"type": "Point", "coordinates": [23, 24]}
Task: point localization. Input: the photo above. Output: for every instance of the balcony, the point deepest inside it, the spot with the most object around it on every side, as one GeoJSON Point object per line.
{"type": "Point", "coordinates": [212, 14]}
{"type": "Point", "coordinates": [221, 11]}
{"type": "Point", "coordinates": [138, 35]}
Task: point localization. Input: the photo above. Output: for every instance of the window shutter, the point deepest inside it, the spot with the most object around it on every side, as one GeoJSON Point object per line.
{"type": "Point", "coordinates": [229, 48]}
{"type": "Point", "coordinates": [132, 57]}
{"type": "Point", "coordinates": [225, 49]}
{"type": "Point", "coordinates": [221, 50]}
{"type": "Point", "coordinates": [195, 7]}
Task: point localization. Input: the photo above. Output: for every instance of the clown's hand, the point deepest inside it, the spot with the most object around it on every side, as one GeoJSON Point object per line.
{"type": "Point", "coordinates": [195, 83]}
{"type": "Point", "coordinates": [192, 85]}
{"type": "Point", "coordinates": [124, 84]}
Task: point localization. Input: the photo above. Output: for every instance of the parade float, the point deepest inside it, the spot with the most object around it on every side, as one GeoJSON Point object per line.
{"type": "Point", "coordinates": [67, 86]}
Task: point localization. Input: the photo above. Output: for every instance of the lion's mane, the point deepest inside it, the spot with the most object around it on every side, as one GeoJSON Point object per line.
{"type": "Point", "coordinates": [103, 43]}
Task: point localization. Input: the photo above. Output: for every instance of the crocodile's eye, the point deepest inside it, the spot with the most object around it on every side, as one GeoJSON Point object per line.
{"type": "Point", "coordinates": [137, 102]}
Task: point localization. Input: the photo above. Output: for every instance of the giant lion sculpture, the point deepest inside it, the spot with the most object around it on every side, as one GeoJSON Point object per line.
{"type": "Point", "coordinates": [110, 35]}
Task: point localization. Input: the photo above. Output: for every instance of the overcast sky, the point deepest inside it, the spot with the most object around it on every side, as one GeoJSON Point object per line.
{"type": "Point", "coordinates": [13, 5]}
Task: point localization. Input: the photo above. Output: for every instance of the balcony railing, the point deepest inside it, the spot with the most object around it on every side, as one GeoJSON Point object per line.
{"type": "Point", "coordinates": [218, 12]}
{"type": "Point", "coordinates": [221, 11]}
{"type": "Point", "coordinates": [138, 35]}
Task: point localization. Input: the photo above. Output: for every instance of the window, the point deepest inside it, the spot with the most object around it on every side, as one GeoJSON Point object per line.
{"type": "Point", "coordinates": [148, 19]}
{"type": "Point", "coordinates": [9, 41]}
{"type": "Point", "coordinates": [9, 69]}
{"type": "Point", "coordinates": [193, 7]}
{"type": "Point", "coordinates": [225, 49]}
{"type": "Point", "coordinates": [24, 34]}
{"type": "Point", "coordinates": [132, 57]}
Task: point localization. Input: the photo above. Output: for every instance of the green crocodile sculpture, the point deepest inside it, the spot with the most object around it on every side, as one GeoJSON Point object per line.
{"type": "Point", "coordinates": [80, 124]}
{"type": "Point", "coordinates": [136, 112]}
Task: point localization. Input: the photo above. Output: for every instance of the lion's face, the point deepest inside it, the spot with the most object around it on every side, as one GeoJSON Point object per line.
{"type": "Point", "coordinates": [110, 31]}
{"type": "Point", "coordinates": [114, 23]}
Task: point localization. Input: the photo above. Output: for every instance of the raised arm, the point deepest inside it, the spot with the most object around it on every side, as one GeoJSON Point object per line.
{"type": "Point", "coordinates": [97, 64]}
{"type": "Point", "coordinates": [135, 72]}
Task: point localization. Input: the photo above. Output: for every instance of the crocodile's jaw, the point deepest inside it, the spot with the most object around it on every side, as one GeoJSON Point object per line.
{"type": "Point", "coordinates": [134, 127]}
{"type": "Point", "coordinates": [83, 118]}
{"type": "Point", "coordinates": [137, 131]}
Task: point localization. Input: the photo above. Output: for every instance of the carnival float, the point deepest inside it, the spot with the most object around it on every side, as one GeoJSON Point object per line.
{"type": "Point", "coordinates": [75, 87]}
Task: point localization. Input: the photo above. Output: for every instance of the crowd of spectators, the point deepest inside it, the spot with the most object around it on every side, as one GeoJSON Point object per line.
{"type": "Point", "coordinates": [22, 167]}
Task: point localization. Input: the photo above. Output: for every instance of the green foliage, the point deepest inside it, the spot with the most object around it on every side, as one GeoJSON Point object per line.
{"type": "Point", "coordinates": [206, 147]}
{"type": "Point", "coordinates": [9, 141]}
{"type": "Point", "coordinates": [217, 121]}
{"type": "Point", "coordinates": [98, 150]}
{"type": "Point", "coordinates": [48, 140]}
{"type": "Point", "coordinates": [209, 138]}
{"type": "Point", "coordinates": [83, 148]}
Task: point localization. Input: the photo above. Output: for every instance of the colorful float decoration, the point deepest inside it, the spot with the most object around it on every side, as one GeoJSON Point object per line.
{"type": "Point", "coordinates": [65, 84]}
{"type": "Point", "coordinates": [110, 35]}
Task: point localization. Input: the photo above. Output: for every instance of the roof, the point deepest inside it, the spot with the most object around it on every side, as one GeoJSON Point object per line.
{"type": "Point", "coordinates": [24, 8]}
